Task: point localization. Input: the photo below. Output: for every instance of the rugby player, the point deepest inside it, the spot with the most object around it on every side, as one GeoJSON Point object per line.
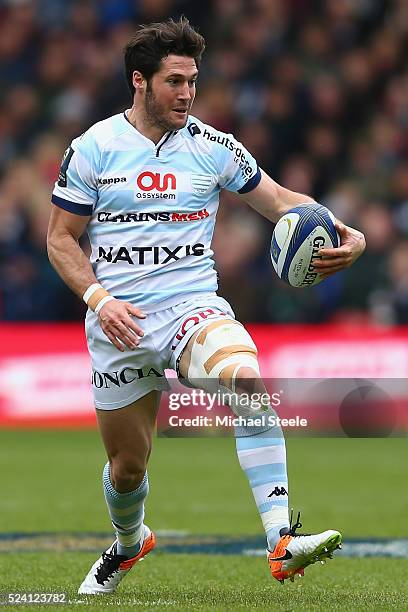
{"type": "Point", "coordinates": [145, 184]}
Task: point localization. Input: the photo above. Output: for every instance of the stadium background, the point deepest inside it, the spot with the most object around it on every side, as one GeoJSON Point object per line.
{"type": "Point", "coordinates": [318, 92]}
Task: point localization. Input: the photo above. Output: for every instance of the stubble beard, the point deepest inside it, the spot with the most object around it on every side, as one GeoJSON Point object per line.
{"type": "Point", "coordinates": [155, 113]}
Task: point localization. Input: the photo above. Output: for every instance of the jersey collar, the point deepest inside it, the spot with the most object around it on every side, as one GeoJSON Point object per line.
{"type": "Point", "coordinates": [167, 138]}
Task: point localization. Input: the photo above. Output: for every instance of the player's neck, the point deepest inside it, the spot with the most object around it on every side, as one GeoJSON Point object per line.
{"type": "Point", "coordinates": [139, 120]}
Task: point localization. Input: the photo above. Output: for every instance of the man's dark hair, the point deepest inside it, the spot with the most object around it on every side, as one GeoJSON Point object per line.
{"type": "Point", "coordinates": [156, 41]}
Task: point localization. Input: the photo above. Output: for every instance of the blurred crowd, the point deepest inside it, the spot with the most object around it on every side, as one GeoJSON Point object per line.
{"type": "Point", "coordinates": [316, 90]}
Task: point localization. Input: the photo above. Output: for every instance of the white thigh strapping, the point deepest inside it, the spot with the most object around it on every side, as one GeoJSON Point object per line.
{"type": "Point", "coordinates": [219, 346]}
{"type": "Point", "coordinates": [223, 344]}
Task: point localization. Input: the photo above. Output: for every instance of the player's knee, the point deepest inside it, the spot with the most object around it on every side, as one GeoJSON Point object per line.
{"type": "Point", "coordinates": [237, 377]}
{"type": "Point", "coordinates": [247, 380]}
{"type": "Point", "coordinates": [127, 473]}
{"type": "Point", "coordinates": [220, 351]}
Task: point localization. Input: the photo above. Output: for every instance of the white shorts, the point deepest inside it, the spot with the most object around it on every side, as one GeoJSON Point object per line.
{"type": "Point", "coordinates": [118, 379]}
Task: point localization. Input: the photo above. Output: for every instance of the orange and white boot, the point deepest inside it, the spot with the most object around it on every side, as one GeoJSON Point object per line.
{"type": "Point", "coordinates": [295, 551]}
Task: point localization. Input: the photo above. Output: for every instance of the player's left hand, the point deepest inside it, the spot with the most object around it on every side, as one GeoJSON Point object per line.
{"type": "Point", "coordinates": [352, 245]}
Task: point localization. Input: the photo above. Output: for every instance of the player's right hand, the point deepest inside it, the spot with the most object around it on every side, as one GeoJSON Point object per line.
{"type": "Point", "coordinates": [117, 323]}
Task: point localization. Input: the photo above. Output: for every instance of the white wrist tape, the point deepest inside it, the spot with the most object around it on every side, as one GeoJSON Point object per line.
{"type": "Point", "coordinates": [103, 301]}
{"type": "Point", "coordinates": [90, 291]}
{"type": "Point", "coordinates": [94, 295]}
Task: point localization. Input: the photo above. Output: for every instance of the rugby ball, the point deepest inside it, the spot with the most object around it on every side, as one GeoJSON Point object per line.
{"type": "Point", "coordinates": [296, 240]}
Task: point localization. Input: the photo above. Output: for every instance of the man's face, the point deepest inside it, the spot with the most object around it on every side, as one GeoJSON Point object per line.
{"type": "Point", "coordinates": [170, 93]}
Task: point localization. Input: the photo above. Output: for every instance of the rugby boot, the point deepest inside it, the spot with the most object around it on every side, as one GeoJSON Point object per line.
{"type": "Point", "coordinates": [106, 573]}
{"type": "Point", "coordinates": [295, 551]}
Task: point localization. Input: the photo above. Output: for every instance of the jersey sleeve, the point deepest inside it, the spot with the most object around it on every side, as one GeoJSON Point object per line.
{"type": "Point", "coordinates": [76, 188]}
{"type": "Point", "coordinates": [238, 169]}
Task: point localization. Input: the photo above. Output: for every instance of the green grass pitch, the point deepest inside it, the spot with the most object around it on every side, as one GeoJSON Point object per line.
{"type": "Point", "coordinates": [51, 482]}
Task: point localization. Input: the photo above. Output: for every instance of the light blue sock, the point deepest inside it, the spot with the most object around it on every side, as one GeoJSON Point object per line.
{"type": "Point", "coordinates": [127, 513]}
{"type": "Point", "coordinates": [262, 456]}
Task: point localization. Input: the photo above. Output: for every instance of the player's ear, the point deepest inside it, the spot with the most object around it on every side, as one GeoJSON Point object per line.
{"type": "Point", "coordinates": [138, 81]}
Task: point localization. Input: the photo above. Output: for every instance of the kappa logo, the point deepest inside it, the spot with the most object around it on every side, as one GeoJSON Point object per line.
{"type": "Point", "coordinates": [278, 491]}
{"type": "Point", "coordinates": [112, 181]}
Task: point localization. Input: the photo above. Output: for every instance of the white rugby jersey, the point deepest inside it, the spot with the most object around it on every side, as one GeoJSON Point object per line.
{"type": "Point", "coordinates": [152, 207]}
